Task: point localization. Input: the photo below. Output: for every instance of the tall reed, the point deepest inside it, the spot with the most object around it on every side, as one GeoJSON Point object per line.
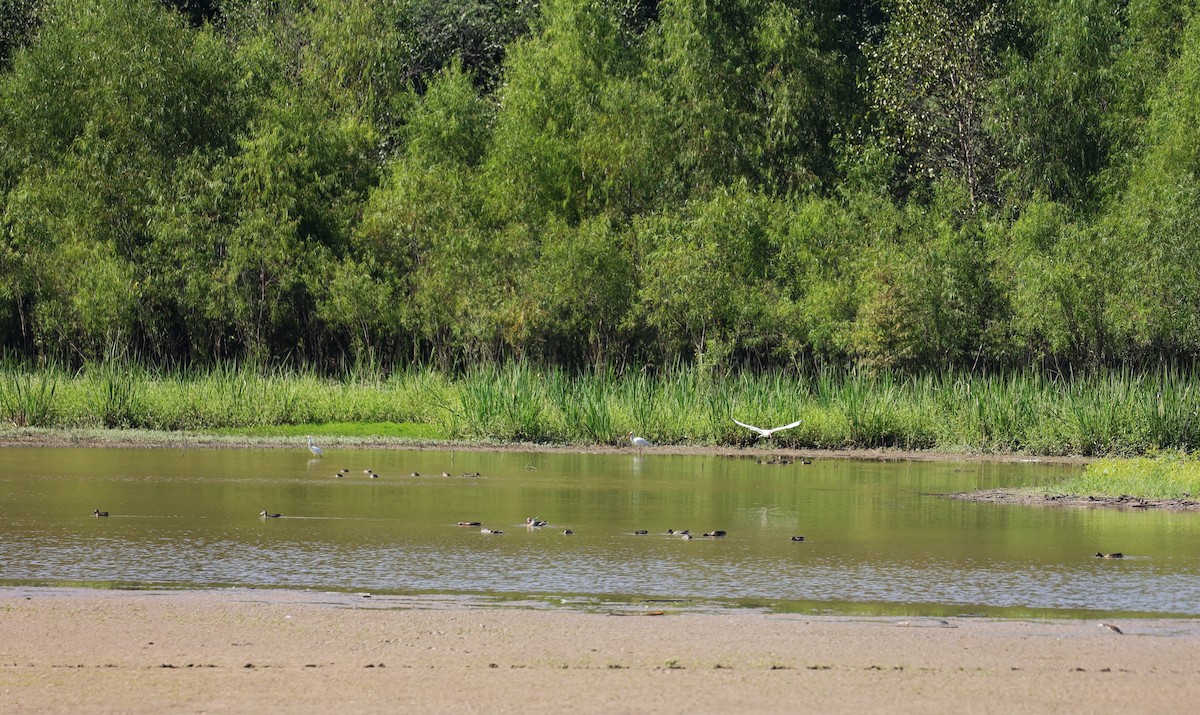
{"type": "Point", "coordinates": [1111, 412]}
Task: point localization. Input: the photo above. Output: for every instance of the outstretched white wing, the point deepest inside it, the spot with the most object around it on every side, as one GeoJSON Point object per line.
{"type": "Point", "coordinates": [761, 432]}
{"type": "Point", "coordinates": [764, 433]}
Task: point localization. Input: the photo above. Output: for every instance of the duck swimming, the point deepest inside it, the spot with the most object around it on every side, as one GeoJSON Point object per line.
{"type": "Point", "coordinates": [1117, 555]}
{"type": "Point", "coordinates": [97, 512]}
{"type": "Point", "coordinates": [269, 515]}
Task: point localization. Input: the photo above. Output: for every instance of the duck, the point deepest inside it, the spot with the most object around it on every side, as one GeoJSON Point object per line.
{"type": "Point", "coordinates": [445, 474]}
{"type": "Point", "coordinates": [415, 474]}
{"type": "Point", "coordinates": [716, 534]}
{"type": "Point", "coordinates": [490, 531]}
{"type": "Point", "coordinates": [567, 532]}
{"type": "Point", "coordinates": [97, 512]}
{"type": "Point", "coordinates": [374, 475]}
{"type": "Point", "coordinates": [343, 470]}
{"type": "Point", "coordinates": [534, 521]}
{"type": "Point", "coordinates": [685, 536]}
{"type": "Point", "coordinates": [641, 532]}
{"type": "Point", "coordinates": [1117, 555]}
{"type": "Point", "coordinates": [797, 538]}
{"type": "Point", "coordinates": [269, 515]}
{"type": "Point", "coordinates": [468, 523]}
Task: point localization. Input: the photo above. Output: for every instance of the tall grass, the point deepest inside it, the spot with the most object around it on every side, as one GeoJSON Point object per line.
{"type": "Point", "coordinates": [1116, 412]}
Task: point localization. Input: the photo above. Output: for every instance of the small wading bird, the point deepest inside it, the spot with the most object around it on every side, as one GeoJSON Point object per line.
{"type": "Point", "coordinates": [765, 433]}
{"type": "Point", "coordinates": [638, 442]}
{"type": "Point", "coordinates": [317, 451]}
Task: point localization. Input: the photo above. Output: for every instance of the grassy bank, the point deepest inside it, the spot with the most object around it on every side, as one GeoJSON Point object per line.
{"type": "Point", "coordinates": [1167, 476]}
{"type": "Point", "coordinates": [1104, 413]}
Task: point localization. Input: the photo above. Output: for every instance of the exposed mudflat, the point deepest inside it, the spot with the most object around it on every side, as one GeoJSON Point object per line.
{"type": "Point", "coordinates": [1029, 498]}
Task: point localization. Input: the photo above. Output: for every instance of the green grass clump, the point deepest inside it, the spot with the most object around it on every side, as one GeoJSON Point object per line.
{"type": "Point", "coordinates": [1169, 476]}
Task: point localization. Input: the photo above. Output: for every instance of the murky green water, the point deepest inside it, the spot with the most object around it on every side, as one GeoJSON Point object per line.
{"type": "Point", "coordinates": [875, 542]}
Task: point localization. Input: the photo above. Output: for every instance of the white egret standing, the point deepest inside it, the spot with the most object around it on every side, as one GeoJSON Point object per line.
{"type": "Point", "coordinates": [765, 433]}
{"type": "Point", "coordinates": [638, 442]}
{"type": "Point", "coordinates": [317, 451]}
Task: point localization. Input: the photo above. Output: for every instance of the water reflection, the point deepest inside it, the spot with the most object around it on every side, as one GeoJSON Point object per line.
{"type": "Point", "coordinates": [876, 539]}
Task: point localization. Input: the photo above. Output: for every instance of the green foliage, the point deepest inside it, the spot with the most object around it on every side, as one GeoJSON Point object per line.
{"type": "Point", "coordinates": [929, 76]}
{"type": "Point", "coordinates": [19, 21]}
{"type": "Point", "coordinates": [1051, 100]}
{"type": "Point", "coordinates": [909, 186]}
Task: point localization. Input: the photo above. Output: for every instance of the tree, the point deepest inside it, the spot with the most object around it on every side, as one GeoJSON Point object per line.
{"type": "Point", "coordinates": [1054, 98]}
{"type": "Point", "coordinates": [928, 77]}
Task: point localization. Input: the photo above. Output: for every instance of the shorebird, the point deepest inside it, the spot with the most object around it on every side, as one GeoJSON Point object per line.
{"type": "Point", "coordinates": [638, 442]}
{"type": "Point", "coordinates": [1112, 627]}
{"type": "Point", "coordinates": [765, 433]}
{"type": "Point", "coordinates": [317, 451]}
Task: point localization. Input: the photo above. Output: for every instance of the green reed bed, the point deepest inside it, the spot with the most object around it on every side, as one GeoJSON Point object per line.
{"type": "Point", "coordinates": [1117, 412]}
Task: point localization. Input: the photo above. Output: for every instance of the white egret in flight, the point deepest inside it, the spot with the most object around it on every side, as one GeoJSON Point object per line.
{"type": "Point", "coordinates": [765, 433]}
{"type": "Point", "coordinates": [317, 451]}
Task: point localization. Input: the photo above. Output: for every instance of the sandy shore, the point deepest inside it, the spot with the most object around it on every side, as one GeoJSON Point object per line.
{"type": "Point", "coordinates": [68, 650]}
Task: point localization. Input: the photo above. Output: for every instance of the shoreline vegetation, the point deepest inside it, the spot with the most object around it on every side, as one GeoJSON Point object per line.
{"type": "Point", "coordinates": [1131, 431]}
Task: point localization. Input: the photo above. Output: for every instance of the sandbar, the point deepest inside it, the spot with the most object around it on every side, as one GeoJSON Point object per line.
{"type": "Point", "coordinates": [265, 650]}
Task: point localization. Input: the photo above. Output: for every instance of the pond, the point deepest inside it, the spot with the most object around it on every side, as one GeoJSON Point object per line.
{"type": "Point", "coordinates": [877, 538]}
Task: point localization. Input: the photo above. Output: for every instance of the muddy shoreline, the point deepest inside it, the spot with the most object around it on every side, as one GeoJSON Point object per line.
{"type": "Point", "coordinates": [146, 439]}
